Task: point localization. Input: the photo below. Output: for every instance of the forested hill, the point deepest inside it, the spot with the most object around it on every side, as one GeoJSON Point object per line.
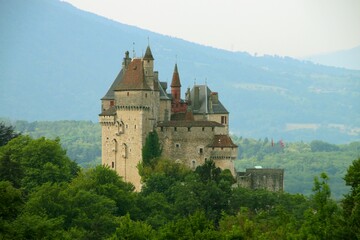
{"type": "Point", "coordinates": [56, 62]}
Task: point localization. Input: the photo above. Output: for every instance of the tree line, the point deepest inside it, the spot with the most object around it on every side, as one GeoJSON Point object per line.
{"type": "Point", "coordinates": [46, 195]}
{"type": "Point", "coordinates": [301, 160]}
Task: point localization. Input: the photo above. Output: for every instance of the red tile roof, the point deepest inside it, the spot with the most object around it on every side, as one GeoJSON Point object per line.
{"type": "Point", "coordinates": [189, 124]}
{"type": "Point", "coordinates": [134, 77]}
{"type": "Point", "coordinates": [222, 141]}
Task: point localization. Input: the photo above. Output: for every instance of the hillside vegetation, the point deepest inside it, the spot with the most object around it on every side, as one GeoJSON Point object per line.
{"type": "Point", "coordinates": [45, 195]}
{"type": "Point", "coordinates": [301, 161]}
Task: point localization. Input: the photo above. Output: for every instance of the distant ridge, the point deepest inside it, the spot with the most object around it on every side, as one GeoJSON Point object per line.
{"type": "Point", "coordinates": [57, 61]}
{"type": "Point", "coordinates": [349, 58]}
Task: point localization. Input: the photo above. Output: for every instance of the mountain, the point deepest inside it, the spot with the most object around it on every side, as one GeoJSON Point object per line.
{"type": "Point", "coordinates": [349, 58]}
{"type": "Point", "coordinates": [56, 62]}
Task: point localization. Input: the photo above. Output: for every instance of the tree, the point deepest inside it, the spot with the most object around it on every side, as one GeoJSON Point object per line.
{"type": "Point", "coordinates": [6, 134]}
{"type": "Point", "coordinates": [28, 162]}
{"type": "Point", "coordinates": [11, 204]}
{"type": "Point", "coordinates": [129, 229]}
{"type": "Point", "coordinates": [152, 148]}
{"type": "Point", "coordinates": [351, 202]}
{"type": "Point", "coordinates": [106, 182]}
{"type": "Point", "coordinates": [322, 220]}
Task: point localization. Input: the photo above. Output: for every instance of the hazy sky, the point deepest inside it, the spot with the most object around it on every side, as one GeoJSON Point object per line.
{"type": "Point", "coordinates": [295, 28]}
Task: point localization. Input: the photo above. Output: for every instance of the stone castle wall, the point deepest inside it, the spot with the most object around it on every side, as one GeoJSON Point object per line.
{"type": "Point", "coordinates": [189, 145]}
{"type": "Point", "coordinates": [262, 178]}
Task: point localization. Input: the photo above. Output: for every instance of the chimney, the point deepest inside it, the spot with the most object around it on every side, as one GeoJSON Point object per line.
{"type": "Point", "coordinates": [126, 60]}
{"type": "Point", "coordinates": [214, 98]}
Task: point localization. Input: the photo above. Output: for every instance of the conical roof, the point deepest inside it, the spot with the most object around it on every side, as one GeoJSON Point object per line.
{"type": "Point", "coordinates": [176, 78]}
{"type": "Point", "coordinates": [148, 54]}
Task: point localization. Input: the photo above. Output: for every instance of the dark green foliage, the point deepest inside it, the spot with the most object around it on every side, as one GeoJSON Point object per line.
{"type": "Point", "coordinates": [28, 162]}
{"type": "Point", "coordinates": [152, 148]}
{"type": "Point", "coordinates": [320, 146]}
{"type": "Point", "coordinates": [53, 201]}
{"type": "Point", "coordinates": [351, 201]}
{"type": "Point", "coordinates": [129, 229]}
{"type": "Point", "coordinates": [323, 219]}
{"type": "Point", "coordinates": [6, 134]}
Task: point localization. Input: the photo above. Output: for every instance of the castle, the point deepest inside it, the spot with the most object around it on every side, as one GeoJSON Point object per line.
{"type": "Point", "coordinates": [190, 130]}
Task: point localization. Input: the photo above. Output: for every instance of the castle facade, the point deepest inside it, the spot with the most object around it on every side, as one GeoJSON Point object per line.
{"type": "Point", "coordinates": [191, 130]}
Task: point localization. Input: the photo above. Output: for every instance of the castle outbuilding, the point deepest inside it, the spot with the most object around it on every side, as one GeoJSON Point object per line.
{"type": "Point", "coordinates": [190, 130]}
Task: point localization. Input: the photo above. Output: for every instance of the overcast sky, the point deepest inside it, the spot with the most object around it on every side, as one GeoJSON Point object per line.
{"type": "Point", "coordinates": [294, 28]}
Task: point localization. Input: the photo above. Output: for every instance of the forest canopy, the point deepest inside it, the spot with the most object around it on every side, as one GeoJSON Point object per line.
{"type": "Point", "coordinates": [45, 195]}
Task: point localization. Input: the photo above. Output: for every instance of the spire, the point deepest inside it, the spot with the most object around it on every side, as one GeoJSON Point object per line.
{"type": "Point", "coordinates": [148, 54]}
{"type": "Point", "coordinates": [175, 79]}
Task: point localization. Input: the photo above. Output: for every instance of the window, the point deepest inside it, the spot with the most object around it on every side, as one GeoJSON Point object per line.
{"type": "Point", "coordinates": [111, 103]}
{"type": "Point", "coordinates": [189, 129]}
{"type": "Point", "coordinates": [162, 129]}
{"type": "Point", "coordinates": [203, 129]}
{"type": "Point", "coordinates": [135, 127]}
{"type": "Point", "coordinates": [223, 120]}
{"type": "Point", "coordinates": [201, 150]}
{"type": "Point", "coordinates": [127, 93]}
{"type": "Point", "coordinates": [175, 129]}
{"type": "Point", "coordinates": [177, 145]}
{"type": "Point", "coordinates": [145, 95]}
{"type": "Point", "coordinates": [212, 129]}
{"type": "Point", "coordinates": [112, 164]}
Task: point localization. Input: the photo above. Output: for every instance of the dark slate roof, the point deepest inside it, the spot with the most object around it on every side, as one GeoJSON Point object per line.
{"type": "Point", "coordinates": [134, 78]}
{"type": "Point", "coordinates": [222, 141]}
{"type": "Point", "coordinates": [189, 124]}
{"type": "Point", "coordinates": [163, 85]}
{"type": "Point", "coordinates": [109, 112]}
{"type": "Point", "coordinates": [110, 93]}
{"type": "Point", "coordinates": [176, 78]}
{"type": "Point", "coordinates": [163, 94]}
{"type": "Point", "coordinates": [204, 104]}
{"type": "Point", "coordinates": [148, 55]}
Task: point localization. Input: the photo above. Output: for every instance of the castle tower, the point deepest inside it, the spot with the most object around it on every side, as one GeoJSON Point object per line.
{"type": "Point", "coordinates": [126, 124]}
{"type": "Point", "coordinates": [176, 85]}
{"type": "Point", "coordinates": [148, 60]}
{"type": "Point", "coordinates": [177, 105]}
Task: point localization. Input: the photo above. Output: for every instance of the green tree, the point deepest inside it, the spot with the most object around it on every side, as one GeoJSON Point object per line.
{"type": "Point", "coordinates": [322, 220]}
{"type": "Point", "coordinates": [11, 204]}
{"type": "Point", "coordinates": [351, 201]}
{"type": "Point", "coordinates": [31, 162]}
{"type": "Point", "coordinates": [128, 229]}
{"type": "Point", "coordinates": [195, 226]}
{"type": "Point", "coordinates": [106, 182]}
{"type": "Point", "coordinates": [6, 134]}
{"type": "Point", "coordinates": [56, 211]}
{"type": "Point", "coordinates": [152, 148]}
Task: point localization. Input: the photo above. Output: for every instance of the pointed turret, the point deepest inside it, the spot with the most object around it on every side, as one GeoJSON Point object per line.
{"type": "Point", "coordinates": [176, 79]}
{"type": "Point", "coordinates": [148, 55]}
{"type": "Point", "coordinates": [177, 105]}
{"type": "Point", "coordinates": [176, 86]}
